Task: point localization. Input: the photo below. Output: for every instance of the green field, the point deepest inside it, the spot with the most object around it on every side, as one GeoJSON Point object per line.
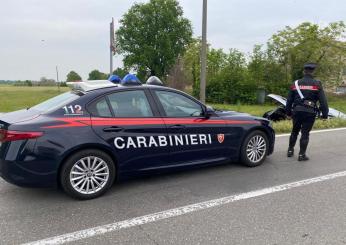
{"type": "Point", "coordinates": [14, 98]}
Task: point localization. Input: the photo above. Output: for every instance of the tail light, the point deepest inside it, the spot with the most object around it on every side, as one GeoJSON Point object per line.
{"type": "Point", "coordinates": [8, 135]}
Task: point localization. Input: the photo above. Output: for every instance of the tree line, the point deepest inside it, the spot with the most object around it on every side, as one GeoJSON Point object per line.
{"type": "Point", "coordinates": [155, 38]}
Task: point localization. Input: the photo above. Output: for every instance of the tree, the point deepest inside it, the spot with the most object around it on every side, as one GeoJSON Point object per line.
{"type": "Point", "coordinates": [229, 82]}
{"type": "Point", "coordinates": [97, 75]}
{"type": "Point", "coordinates": [46, 82]}
{"type": "Point", "coordinates": [192, 65]}
{"type": "Point", "coordinates": [265, 72]}
{"type": "Point", "coordinates": [152, 36]}
{"type": "Point", "coordinates": [176, 77]}
{"type": "Point", "coordinates": [311, 43]}
{"type": "Point", "coordinates": [73, 76]}
{"type": "Point", "coordinates": [121, 72]}
{"type": "Point", "coordinates": [256, 67]}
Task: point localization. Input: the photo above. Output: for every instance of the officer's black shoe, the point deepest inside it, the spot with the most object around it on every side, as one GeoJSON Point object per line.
{"type": "Point", "coordinates": [303, 158]}
{"type": "Point", "coordinates": [290, 152]}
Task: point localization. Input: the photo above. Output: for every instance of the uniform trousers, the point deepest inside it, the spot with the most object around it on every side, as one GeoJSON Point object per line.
{"type": "Point", "coordinates": [302, 122]}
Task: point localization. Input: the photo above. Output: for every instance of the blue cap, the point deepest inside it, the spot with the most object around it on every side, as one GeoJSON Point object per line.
{"type": "Point", "coordinates": [130, 79]}
{"type": "Point", "coordinates": [114, 79]}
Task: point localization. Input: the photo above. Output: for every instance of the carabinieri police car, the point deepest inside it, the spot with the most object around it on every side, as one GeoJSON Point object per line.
{"type": "Point", "coordinates": [85, 139]}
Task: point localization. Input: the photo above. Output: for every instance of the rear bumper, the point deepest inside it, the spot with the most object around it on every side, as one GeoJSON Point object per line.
{"type": "Point", "coordinates": [15, 173]}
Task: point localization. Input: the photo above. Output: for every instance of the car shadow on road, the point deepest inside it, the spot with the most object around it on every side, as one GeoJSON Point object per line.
{"type": "Point", "coordinates": [174, 177]}
{"type": "Point", "coordinates": [127, 185]}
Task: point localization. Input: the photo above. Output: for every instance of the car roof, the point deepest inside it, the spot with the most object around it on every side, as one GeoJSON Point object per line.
{"type": "Point", "coordinates": [105, 85]}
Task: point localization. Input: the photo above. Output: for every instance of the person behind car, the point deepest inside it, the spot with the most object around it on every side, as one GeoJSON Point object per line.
{"type": "Point", "coordinates": [302, 107]}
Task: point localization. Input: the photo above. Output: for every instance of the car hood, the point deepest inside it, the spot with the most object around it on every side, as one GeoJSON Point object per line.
{"type": "Point", "coordinates": [335, 113]}
{"type": "Point", "coordinates": [332, 112]}
{"type": "Point", "coordinates": [232, 114]}
{"type": "Point", "coordinates": [278, 98]}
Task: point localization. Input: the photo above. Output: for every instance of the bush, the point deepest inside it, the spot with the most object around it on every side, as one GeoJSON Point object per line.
{"type": "Point", "coordinates": [286, 126]}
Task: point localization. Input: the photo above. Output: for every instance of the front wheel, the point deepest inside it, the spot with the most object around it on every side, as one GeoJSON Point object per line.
{"type": "Point", "coordinates": [254, 149]}
{"type": "Point", "coordinates": [87, 174]}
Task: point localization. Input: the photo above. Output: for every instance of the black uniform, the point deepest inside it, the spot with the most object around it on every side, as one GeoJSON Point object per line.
{"type": "Point", "coordinates": [303, 111]}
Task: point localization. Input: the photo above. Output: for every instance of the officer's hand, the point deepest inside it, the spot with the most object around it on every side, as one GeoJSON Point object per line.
{"type": "Point", "coordinates": [289, 118]}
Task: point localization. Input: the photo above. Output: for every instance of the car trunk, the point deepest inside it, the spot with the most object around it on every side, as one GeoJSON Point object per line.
{"type": "Point", "coordinates": [18, 116]}
{"type": "Point", "coordinates": [8, 119]}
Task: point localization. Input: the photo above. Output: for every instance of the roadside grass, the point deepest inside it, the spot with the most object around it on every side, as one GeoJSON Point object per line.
{"type": "Point", "coordinates": [286, 126]}
{"type": "Point", "coordinates": [337, 102]}
{"type": "Point", "coordinates": [14, 98]}
{"type": "Point", "coordinates": [255, 110]}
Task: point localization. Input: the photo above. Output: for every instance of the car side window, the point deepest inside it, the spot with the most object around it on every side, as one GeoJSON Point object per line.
{"type": "Point", "coordinates": [130, 104]}
{"type": "Point", "coordinates": [100, 108]}
{"type": "Point", "coordinates": [177, 105]}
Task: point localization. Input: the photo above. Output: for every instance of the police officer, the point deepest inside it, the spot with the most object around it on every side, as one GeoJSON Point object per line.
{"type": "Point", "coordinates": [302, 107]}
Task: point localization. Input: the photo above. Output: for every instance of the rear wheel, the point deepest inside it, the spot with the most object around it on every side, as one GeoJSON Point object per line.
{"type": "Point", "coordinates": [254, 149]}
{"type": "Point", "coordinates": [87, 174]}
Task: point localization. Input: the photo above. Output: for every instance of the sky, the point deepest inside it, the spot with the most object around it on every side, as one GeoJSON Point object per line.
{"type": "Point", "coordinates": [38, 35]}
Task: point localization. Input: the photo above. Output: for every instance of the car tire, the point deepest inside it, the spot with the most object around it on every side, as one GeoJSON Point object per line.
{"type": "Point", "coordinates": [87, 174]}
{"type": "Point", "coordinates": [254, 149]}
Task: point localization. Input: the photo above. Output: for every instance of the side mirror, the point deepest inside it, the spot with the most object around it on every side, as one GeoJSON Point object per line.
{"type": "Point", "coordinates": [209, 111]}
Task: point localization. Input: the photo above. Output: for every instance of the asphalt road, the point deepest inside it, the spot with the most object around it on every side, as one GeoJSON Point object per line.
{"type": "Point", "coordinates": [309, 214]}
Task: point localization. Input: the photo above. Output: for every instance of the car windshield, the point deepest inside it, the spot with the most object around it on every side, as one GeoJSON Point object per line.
{"type": "Point", "coordinates": [55, 102]}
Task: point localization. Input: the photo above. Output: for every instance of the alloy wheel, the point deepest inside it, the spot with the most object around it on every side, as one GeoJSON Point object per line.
{"type": "Point", "coordinates": [256, 148]}
{"type": "Point", "coordinates": [89, 175]}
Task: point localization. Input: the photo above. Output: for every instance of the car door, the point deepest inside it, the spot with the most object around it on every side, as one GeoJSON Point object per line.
{"type": "Point", "coordinates": [129, 122]}
{"type": "Point", "coordinates": [194, 138]}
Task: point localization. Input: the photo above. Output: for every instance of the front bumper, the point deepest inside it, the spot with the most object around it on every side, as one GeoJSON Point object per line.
{"type": "Point", "coordinates": [271, 134]}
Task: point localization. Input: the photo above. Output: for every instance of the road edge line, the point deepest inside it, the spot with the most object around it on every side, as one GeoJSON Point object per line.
{"type": "Point", "coordinates": [315, 131]}
{"type": "Point", "coordinates": [175, 212]}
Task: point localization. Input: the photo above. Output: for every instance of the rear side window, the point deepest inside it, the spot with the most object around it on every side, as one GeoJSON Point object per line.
{"type": "Point", "coordinates": [123, 104]}
{"type": "Point", "coordinates": [100, 108]}
{"type": "Point", "coordinates": [130, 104]}
{"type": "Point", "coordinates": [55, 102]}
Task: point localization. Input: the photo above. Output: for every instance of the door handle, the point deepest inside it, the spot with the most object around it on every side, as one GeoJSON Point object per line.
{"type": "Point", "coordinates": [113, 129]}
{"type": "Point", "coordinates": [177, 126]}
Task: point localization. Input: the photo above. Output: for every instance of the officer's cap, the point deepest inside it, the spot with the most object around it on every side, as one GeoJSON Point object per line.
{"type": "Point", "coordinates": [310, 66]}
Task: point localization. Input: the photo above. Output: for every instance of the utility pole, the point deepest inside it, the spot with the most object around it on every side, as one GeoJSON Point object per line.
{"type": "Point", "coordinates": [112, 46]}
{"type": "Point", "coordinates": [57, 77]}
{"type": "Point", "coordinates": [204, 53]}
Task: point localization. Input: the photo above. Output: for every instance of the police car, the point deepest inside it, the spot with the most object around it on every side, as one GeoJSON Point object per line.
{"type": "Point", "coordinates": [99, 132]}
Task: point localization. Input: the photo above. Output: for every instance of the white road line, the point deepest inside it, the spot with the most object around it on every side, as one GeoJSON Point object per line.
{"type": "Point", "coordinates": [150, 218]}
{"type": "Point", "coordinates": [315, 131]}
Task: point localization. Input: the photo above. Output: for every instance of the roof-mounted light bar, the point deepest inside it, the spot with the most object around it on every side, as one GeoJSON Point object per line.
{"type": "Point", "coordinates": [90, 85]}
